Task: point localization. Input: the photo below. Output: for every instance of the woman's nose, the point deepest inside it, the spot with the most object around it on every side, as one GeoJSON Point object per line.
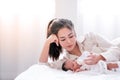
{"type": "Point", "coordinates": [68, 41]}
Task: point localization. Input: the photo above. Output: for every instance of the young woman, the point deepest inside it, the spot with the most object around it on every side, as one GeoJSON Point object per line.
{"type": "Point", "coordinates": [61, 38]}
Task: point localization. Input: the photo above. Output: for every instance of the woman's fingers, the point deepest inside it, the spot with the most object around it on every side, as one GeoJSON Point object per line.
{"type": "Point", "coordinates": [53, 38]}
{"type": "Point", "coordinates": [56, 41]}
{"type": "Point", "coordinates": [90, 60]}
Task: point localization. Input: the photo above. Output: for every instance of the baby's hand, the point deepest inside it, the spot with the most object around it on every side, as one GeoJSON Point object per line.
{"type": "Point", "coordinates": [79, 70]}
{"type": "Point", "coordinates": [110, 66]}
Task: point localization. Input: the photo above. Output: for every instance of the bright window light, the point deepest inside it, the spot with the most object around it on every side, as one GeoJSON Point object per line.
{"type": "Point", "coordinates": [101, 16]}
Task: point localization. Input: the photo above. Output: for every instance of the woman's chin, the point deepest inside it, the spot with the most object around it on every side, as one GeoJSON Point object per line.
{"type": "Point", "coordinates": [69, 49]}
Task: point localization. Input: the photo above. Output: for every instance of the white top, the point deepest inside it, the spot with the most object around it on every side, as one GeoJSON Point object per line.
{"type": "Point", "coordinates": [92, 43]}
{"type": "Point", "coordinates": [100, 67]}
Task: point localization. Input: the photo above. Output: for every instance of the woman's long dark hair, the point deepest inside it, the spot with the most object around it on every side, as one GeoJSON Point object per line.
{"type": "Point", "coordinates": [53, 27]}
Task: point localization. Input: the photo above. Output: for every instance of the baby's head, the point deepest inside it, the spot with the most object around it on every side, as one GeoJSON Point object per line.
{"type": "Point", "coordinates": [70, 65]}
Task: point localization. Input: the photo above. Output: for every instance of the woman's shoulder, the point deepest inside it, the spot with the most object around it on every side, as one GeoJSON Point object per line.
{"type": "Point", "coordinates": [94, 36]}
{"type": "Point", "coordinates": [90, 34]}
{"type": "Point", "coordinates": [86, 36]}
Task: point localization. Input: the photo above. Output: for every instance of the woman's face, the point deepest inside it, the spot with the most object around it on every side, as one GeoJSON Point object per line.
{"type": "Point", "coordinates": [67, 38]}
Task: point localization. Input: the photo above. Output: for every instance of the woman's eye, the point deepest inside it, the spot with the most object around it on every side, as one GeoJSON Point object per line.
{"type": "Point", "coordinates": [71, 37]}
{"type": "Point", "coordinates": [63, 40]}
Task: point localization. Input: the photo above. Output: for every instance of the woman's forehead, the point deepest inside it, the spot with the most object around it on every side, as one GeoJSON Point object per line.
{"type": "Point", "coordinates": [65, 32]}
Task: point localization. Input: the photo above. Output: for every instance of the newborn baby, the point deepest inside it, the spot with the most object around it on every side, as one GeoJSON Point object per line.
{"type": "Point", "coordinates": [79, 65]}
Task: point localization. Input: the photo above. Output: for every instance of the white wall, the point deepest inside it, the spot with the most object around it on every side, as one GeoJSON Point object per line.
{"type": "Point", "coordinates": [22, 34]}
{"type": "Point", "coordinates": [68, 9]}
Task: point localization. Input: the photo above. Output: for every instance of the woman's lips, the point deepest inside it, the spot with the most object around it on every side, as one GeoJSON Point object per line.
{"type": "Point", "coordinates": [69, 46]}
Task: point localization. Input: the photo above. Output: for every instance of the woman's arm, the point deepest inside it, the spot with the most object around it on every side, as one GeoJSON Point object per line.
{"type": "Point", "coordinates": [45, 51]}
{"type": "Point", "coordinates": [101, 43]}
{"type": "Point", "coordinates": [112, 54]}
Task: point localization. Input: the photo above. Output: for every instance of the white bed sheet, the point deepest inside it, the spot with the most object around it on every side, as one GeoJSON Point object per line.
{"type": "Point", "coordinates": [43, 72]}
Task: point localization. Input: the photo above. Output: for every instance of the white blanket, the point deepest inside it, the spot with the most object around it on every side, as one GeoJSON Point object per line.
{"type": "Point", "coordinates": [43, 72]}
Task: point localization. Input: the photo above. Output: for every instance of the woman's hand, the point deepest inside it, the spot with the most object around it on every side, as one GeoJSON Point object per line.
{"type": "Point", "coordinates": [93, 59]}
{"type": "Point", "coordinates": [52, 38]}
{"type": "Point", "coordinates": [44, 54]}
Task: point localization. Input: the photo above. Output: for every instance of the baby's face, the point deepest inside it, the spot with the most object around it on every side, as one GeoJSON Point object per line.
{"type": "Point", "coordinates": [72, 65]}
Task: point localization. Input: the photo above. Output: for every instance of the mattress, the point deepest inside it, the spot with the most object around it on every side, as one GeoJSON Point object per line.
{"type": "Point", "coordinates": [43, 72]}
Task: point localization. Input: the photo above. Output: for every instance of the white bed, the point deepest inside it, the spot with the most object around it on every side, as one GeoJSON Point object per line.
{"type": "Point", "coordinates": [43, 72]}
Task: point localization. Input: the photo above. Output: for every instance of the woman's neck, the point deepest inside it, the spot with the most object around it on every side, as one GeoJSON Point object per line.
{"type": "Point", "coordinates": [76, 51]}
